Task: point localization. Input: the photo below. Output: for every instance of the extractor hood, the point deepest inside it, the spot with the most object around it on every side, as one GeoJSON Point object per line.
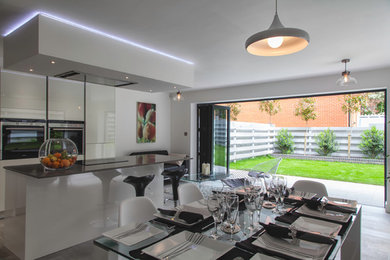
{"type": "Point", "coordinates": [80, 76]}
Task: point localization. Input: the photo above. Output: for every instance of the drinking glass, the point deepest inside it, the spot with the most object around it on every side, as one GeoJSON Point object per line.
{"type": "Point", "coordinates": [214, 206]}
{"type": "Point", "coordinates": [232, 202]}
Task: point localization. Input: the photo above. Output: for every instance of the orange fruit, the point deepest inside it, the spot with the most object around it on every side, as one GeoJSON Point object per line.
{"type": "Point", "coordinates": [58, 155]}
{"type": "Point", "coordinates": [66, 163]}
{"type": "Point", "coordinates": [46, 160]}
{"type": "Point", "coordinates": [55, 165]}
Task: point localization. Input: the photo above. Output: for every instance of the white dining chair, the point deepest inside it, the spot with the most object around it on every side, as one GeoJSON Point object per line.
{"type": "Point", "coordinates": [311, 186]}
{"type": "Point", "coordinates": [136, 210]}
{"type": "Point", "coordinates": [188, 192]}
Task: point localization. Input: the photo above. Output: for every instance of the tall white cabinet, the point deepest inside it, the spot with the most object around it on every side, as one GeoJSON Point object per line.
{"type": "Point", "coordinates": [100, 121]}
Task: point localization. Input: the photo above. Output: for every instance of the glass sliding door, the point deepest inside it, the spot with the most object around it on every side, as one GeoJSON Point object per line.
{"type": "Point", "coordinates": [221, 140]}
{"type": "Point", "coordinates": [213, 138]}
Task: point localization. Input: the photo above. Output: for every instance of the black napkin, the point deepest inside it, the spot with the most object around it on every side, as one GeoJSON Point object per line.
{"type": "Point", "coordinates": [188, 217]}
{"type": "Point", "coordinates": [315, 202]}
{"type": "Point", "coordinates": [340, 209]}
{"type": "Point", "coordinates": [288, 217]}
{"type": "Point", "coordinates": [284, 232]}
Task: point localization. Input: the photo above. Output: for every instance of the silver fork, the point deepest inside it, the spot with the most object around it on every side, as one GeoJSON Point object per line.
{"type": "Point", "coordinates": [137, 228]}
{"type": "Point", "coordinates": [177, 247]}
{"type": "Point", "coordinates": [196, 240]}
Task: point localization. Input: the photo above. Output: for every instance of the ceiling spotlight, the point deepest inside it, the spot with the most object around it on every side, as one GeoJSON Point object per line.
{"type": "Point", "coordinates": [31, 70]}
{"type": "Point", "coordinates": [277, 40]}
{"type": "Point", "coordinates": [53, 62]}
{"type": "Point", "coordinates": [127, 77]}
{"type": "Point", "coordinates": [346, 79]}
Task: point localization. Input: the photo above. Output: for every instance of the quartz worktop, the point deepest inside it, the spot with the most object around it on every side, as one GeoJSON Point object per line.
{"type": "Point", "coordinates": [38, 171]}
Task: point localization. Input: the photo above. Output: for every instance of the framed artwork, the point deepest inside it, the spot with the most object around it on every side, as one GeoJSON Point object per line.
{"type": "Point", "coordinates": [146, 122]}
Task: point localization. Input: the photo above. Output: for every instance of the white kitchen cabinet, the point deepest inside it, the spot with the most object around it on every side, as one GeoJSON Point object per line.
{"type": "Point", "coordinates": [100, 121]}
{"type": "Point", "coordinates": [22, 95]}
{"type": "Point", "coordinates": [66, 100]}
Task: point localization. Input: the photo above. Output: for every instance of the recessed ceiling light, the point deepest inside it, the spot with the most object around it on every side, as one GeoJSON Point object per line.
{"type": "Point", "coordinates": [150, 90]}
{"type": "Point", "coordinates": [53, 62]}
{"type": "Point", "coordinates": [174, 86]}
{"type": "Point", "coordinates": [127, 77]}
{"type": "Point", "coordinates": [31, 70]}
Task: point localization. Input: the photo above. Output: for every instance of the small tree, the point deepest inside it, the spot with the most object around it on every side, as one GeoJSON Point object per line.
{"type": "Point", "coordinates": [271, 107]}
{"type": "Point", "coordinates": [285, 142]}
{"type": "Point", "coordinates": [354, 103]}
{"type": "Point", "coordinates": [326, 141]}
{"type": "Point", "coordinates": [306, 110]}
{"type": "Point", "coordinates": [234, 110]}
{"type": "Point", "coordinates": [372, 142]}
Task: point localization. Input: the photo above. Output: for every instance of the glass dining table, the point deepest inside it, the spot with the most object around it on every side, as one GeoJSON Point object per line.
{"type": "Point", "coordinates": [346, 246]}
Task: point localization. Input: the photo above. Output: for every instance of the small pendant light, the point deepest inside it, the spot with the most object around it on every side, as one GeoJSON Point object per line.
{"type": "Point", "coordinates": [178, 97]}
{"type": "Point", "coordinates": [277, 40]}
{"type": "Point", "coordinates": [346, 79]}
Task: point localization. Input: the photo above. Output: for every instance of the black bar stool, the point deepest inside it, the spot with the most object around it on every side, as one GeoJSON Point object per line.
{"type": "Point", "coordinates": [175, 176]}
{"type": "Point", "coordinates": [139, 183]}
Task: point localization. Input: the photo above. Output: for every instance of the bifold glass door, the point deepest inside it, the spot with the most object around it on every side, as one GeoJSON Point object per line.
{"type": "Point", "coordinates": [213, 138]}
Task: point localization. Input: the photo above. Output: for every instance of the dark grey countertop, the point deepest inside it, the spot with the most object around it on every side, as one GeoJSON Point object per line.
{"type": "Point", "coordinates": [38, 171]}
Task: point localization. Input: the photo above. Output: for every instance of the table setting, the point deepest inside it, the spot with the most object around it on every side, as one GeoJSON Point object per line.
{"type": "Point", "coordinates": [299, 226]}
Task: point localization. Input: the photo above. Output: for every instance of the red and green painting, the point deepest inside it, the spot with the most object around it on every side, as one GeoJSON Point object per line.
{"type": "Point", "coordinates": [146, 122]}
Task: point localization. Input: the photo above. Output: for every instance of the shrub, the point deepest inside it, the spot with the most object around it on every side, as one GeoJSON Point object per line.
{"type": "Point", "coordinates": [327, 144]}
{"type": "Point", "coordinates": [372, 143]}
{"type": "Point", "coordinates": [285, 142]}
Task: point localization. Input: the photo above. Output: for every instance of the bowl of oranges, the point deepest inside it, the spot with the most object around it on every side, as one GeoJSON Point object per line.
{"type": "Point", "coordinates": [56, 154]}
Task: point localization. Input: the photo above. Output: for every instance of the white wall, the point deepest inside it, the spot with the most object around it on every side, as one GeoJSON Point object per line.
{"type": "Point", "coordinates": [126, 102]}
{"type": "Point", "coordinates": [183, 113]}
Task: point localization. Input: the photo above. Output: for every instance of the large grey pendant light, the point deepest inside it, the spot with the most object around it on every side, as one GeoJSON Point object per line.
{"type": "Point", "coordinates": [277, 40]}
{"type": "Point", "coordinates": [346, 79]}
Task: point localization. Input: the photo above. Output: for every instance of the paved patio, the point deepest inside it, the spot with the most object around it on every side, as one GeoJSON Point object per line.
{"type": "Point", "coordinates": [366, 194]}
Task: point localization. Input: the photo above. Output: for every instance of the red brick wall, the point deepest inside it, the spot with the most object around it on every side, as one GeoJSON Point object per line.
{"type": "Point", "coordinates": [329, 113]}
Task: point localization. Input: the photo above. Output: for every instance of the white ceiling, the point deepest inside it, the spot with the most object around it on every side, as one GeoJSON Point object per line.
{"type": "Point", "coordinates": [212, 33]}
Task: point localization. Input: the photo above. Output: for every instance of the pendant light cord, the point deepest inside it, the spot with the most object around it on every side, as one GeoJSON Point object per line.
{"type": "Point", "coordinates": [276, 6]}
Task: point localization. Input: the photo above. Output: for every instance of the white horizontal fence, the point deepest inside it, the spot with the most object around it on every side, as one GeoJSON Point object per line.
{"type": "Point", "coordinates": [249, 140]}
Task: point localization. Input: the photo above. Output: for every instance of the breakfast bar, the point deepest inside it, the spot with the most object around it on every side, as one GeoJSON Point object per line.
{"type": "Point", "coordinates": [47, 211]}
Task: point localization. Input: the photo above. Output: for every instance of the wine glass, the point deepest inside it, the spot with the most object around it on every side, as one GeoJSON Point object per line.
{"type": "Point", "coordinates": [249, 184]}
{"type": "Point", "coordinates": [232, 202]}
{"type": "Point", "coordinates": [250, 204]}
{"type": "Point", "coordinates": [214, 206]}
{"type": "Point", "coordinates": [259, 199]}
{"type": "Point", "coordinates": [282, 187]}
{"type": "Point", "coordinates": [273, 191]}
{"type": "Point", "coordinates": [268, 184]}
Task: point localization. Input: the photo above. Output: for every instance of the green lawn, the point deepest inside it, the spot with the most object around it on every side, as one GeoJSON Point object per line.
{"type": "Point", "coordinates": [339, 171]}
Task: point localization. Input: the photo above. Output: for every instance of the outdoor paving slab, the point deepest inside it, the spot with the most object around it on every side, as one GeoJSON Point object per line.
{"type": "Point", "coordinates": [366, 194]}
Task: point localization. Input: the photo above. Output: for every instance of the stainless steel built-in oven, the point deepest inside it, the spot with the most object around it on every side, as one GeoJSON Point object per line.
{"type": "Point", "coordinates": [74, 130]}
{"type": "Point", "coordinates": [21, 138]}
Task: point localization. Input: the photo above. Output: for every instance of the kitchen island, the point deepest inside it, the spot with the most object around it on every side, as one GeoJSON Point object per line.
{"type": "Point", "coordinates": [46, 211]}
